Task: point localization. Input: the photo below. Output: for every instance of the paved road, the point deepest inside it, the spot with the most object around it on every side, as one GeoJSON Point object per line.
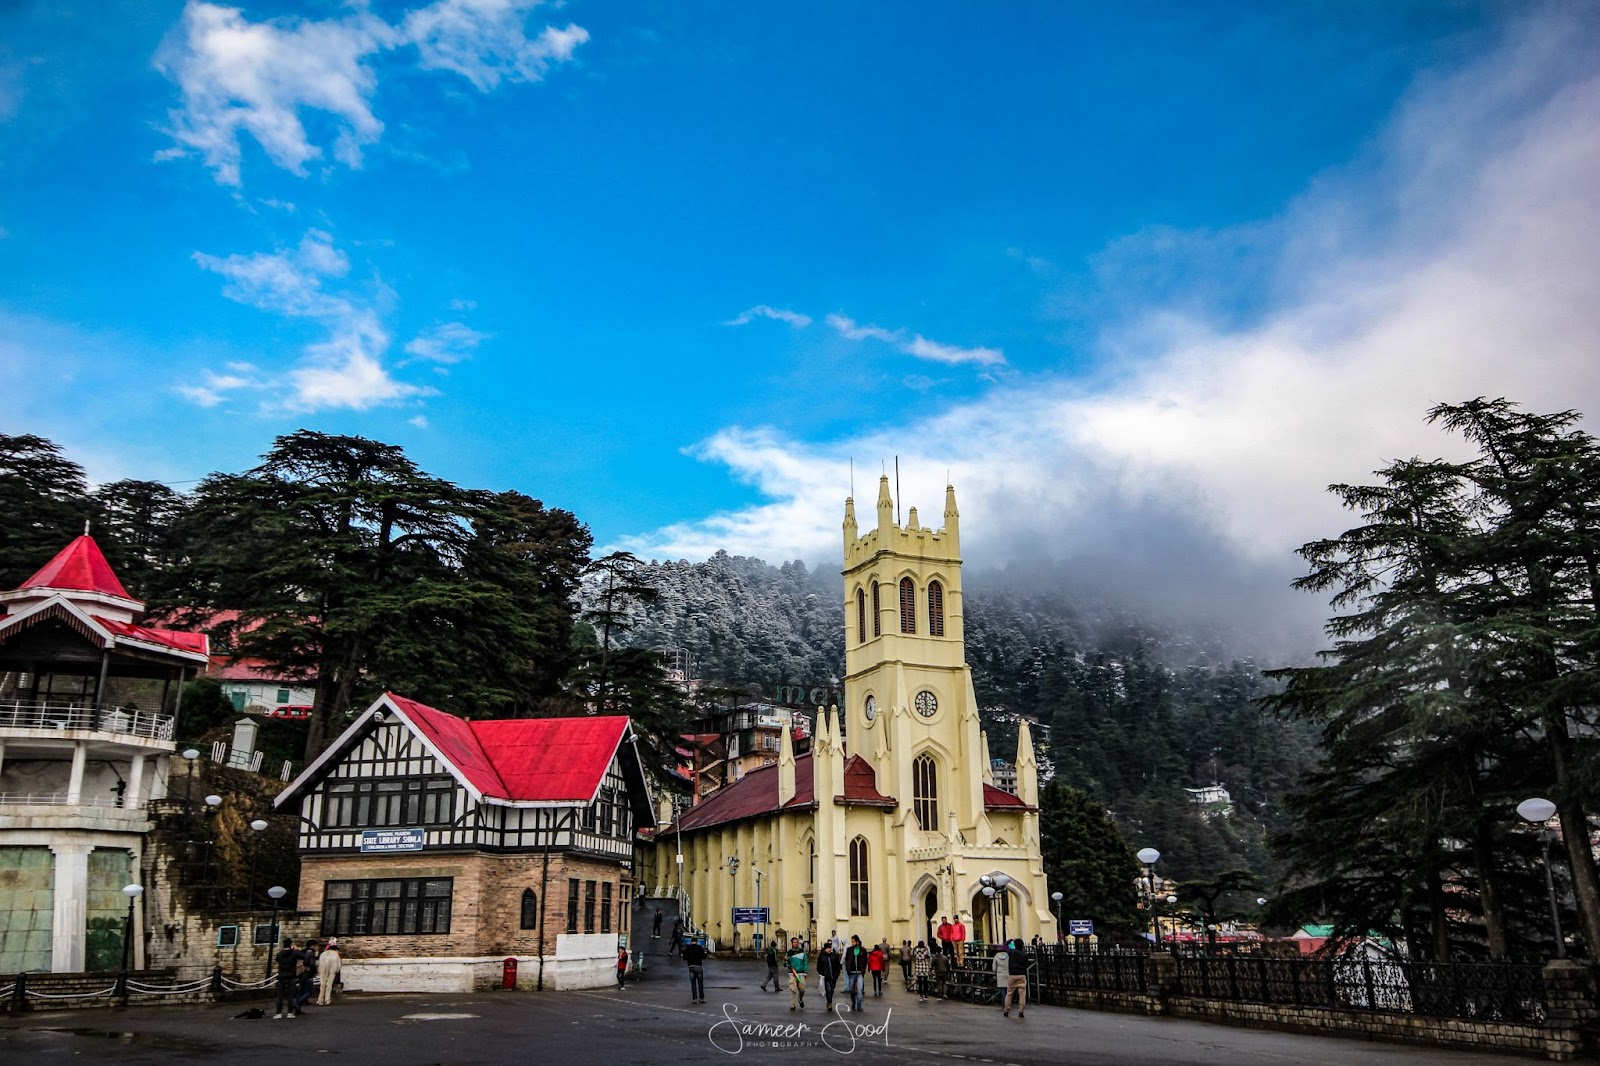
{"type": "Point", "coordinates": [653, 1022]}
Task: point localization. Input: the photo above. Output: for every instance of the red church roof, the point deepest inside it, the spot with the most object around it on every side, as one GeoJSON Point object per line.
{"type": "Point", "coordinates": [757, 793]}
{"type": "Point", "coordinates": [81, 567]}
{"type": "Point", "coordinates": [529, 759]}
{"type": "Point", "coordinates": [999, 797]}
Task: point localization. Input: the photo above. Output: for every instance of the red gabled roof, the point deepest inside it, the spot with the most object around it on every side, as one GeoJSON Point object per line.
{"type": "Point", "coordinates": [80, 567]}
{"type": "Point", "coordinates": [168, 638]}
{"type": "Point", "coordinates": [999, 797]}
{"type": "Point", "coordinates": [529, 759]}
{"type": "Point", "coordinates": [552, 758]}
{"type": "Point", "coordinates": [757, 793]}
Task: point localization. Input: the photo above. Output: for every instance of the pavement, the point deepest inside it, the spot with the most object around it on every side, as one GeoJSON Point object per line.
{"type": "Point", "coordinates": [654, 1022]}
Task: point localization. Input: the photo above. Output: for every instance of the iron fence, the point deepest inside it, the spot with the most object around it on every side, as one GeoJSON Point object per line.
{"type": "Point", "coordinates": [1510, 993]}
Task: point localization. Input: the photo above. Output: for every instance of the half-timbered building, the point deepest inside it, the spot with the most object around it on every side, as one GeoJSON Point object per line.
{"type": "Point", "coordinates": [435, 847]}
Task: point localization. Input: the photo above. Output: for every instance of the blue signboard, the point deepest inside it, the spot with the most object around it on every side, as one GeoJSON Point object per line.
{"type": "Point", "coordinates": [1080, 926]}
{"type": "Point", "coordinates": [750, 916]}
{"type": "Point", "coordinates": [381, 840]}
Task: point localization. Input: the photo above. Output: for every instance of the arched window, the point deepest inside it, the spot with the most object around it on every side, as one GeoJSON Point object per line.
{"type": "Point", "coordinates": [925, 792]}
{"type": "Point", "coordinates": [530, 909]}
{"type": "Point", "coordinates": [858, 878]}
{"type": "Point", "coordinates": [877, 611]}
{"type": "Point", "coordinates": [861, 616]}
{"type": "Point", "coordinates": [811, 866]}
{"type": "Point", "coordinates": [935, 609]}
{"type": "Point", "coordinates": [908, 606]}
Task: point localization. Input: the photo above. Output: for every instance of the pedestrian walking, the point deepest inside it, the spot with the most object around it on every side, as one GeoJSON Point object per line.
{"type": "Point", "coordinates": [958, 937]}
{"type": "Point", "coordinates": [797, 965]}
{"type": "Point", "coordinates": [329, 965]}
{"type": "Point", "coordinates": [855, 974]}
{"type": "Point", "coordinates": [1002, 977]}
{"type": "Point", "coordinates": [941, 974]}
{"type": "Point", "coordinates": [289, 962]}
{"type": "Point", "coordinates": [695, 956]}
{"type": "Point", "coordinates": [677, 936]}
{"type": "Point", "coordinates": [876, 961]}
{"type": "Point", "coordinates": [905, 962]}
{"type": "Point", "coordinates": [622, 968]}
{"type": "Point", "coordinates": [655, 926]}
{"type": "Point", "coordinates": [1017, 978]}
{"type": "Point", "coordinates": [770, 957]}
{"type": "Point", "coordinates": [921, 967]}
{"type": "Point", "coordinates": [307, 986]}
{"type": "Point", "coordinates": [828, 969]}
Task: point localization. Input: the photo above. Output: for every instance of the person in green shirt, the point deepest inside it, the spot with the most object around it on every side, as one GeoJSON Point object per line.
{"type": "Point", "coordinates": [798, 967]}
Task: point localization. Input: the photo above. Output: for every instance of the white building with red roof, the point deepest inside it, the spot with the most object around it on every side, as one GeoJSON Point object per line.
{"type": "Point", "coordinates": [893, 820]}
{"type": "Point", "coordinates": [89, 699]}
{"type": "Point", "coordinates": [436, 847]}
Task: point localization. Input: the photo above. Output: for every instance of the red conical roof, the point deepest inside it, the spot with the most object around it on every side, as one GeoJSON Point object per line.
{"type": "Point", "coordinates": [81, 567]}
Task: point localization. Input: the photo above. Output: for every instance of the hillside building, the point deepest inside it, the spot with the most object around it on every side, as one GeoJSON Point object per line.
{"type": "Point", "coordinates": [893, 817]}
{"type": "Point", "coordinates": [443, 847]}
{"type": "Point", "coordinates": [89, 699]}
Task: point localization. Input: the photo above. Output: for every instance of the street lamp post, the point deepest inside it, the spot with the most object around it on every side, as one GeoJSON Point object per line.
{"type": "Point", "coordinates": [733, 872]}
{"type": "Point", "coordinates": [277, 892]}
{"type": "Point", "coordinates": [1000, 883]}
{"type": "Point", "coordinates": [259, 826]}
{"type": "Point", "coordinates": [1538, 812]}
{"type": "Point", "coordinates": [761, 927]}
{"type": "Point", "coordinates": [1150, 856]}
{"type": "Point", "coordinates": [212, 804]}
{"type": "Point", "coordinates": [1061, 928]}
{"type": "Point", "coordinates": [189, 756]}
{"type": "Point", "coordinates": [133, 892]}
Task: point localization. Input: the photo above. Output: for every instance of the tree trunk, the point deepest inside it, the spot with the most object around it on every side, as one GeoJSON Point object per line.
{"type": "Point", "coordinates": [1494, 915]}
{"type": "Point", "coordinates": [1574, 832]}
{"type": "Point", "coordinates": [1438, 916]}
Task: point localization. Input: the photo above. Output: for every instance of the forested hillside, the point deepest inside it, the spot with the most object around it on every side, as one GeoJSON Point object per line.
{"type": "Point", "coordinates": [1133, 714]}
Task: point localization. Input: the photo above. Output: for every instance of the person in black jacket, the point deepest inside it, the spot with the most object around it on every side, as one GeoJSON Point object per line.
{"type": "Point", "coordinates": [855, 973]}
{"type": "Point", "coordinates": [694, 953]}
{"type": "Point", "coordinates": [289, 962]}
{"type": "Point", "coordinates": [828, 969]}
{"type": "Point", "coordinates": [1017, 976]}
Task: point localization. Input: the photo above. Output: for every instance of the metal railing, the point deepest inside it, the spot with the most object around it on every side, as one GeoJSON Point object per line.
{"type": "Point", "coordinates": [29, 714]}
{"type": "Point", "coordinates": [1511, 993]}
{"type": "Point", "coordinates": [59, 799]}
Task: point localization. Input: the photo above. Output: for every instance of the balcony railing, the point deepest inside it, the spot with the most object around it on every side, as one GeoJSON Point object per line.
{"type": "Point", "coordinates": [27, 714]}
{"type": "Point", "coordinates": [59, 799]}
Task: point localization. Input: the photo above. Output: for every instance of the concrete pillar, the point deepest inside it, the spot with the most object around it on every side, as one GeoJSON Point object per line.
{"type": "Point", "coordinates": [2, 755]}
{"type": "Point", "coordinates": [80, 756]}
{"type": "Point", "coordinates": [69, 906]}
{"type": "Point", "coordinates": [130, 795]}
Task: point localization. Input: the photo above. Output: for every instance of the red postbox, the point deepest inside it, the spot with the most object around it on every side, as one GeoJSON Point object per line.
{"type": "Point", "coordinates": [508, 974]}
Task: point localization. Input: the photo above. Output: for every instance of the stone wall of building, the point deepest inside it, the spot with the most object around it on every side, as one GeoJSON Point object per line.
{"type": "Point", "coordinates": [485, 921]}
{"type": "Point", "coordinates": [25, 909]}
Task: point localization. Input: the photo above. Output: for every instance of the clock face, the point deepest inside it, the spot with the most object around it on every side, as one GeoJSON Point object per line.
{"type": "Point", "coordinates": [927, 704]}
{"type": "Point", "coordinates": [872, 708]}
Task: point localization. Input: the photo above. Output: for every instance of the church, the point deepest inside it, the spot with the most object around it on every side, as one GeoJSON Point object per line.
{"type": "Point", "coordinates": [892, 820]}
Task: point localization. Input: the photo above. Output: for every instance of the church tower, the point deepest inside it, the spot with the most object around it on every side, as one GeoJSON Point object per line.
{"type": "Point", "coordinates": [909, 703]}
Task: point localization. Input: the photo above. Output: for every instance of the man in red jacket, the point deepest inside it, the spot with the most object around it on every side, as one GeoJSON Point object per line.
{"type": "Point", "coordinates": [943, 934]}
{"type": "Point", "coordinates": [958, 937]}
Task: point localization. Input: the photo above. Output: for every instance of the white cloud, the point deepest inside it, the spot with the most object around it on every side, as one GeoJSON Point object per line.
{"type": "Point", "coordinates": [447, 343]}
{"type": "Point", "coordinates": [345, 371]}
{"type": "Point", "coordinates": [916, 344]}
{"type": "Point", "coordinates": [420, 421]}
{"type": "Point", "coordinates": [1461, 259]}
{"type": "Point", "coordinates": [923, 348]}
{"type": "Point", "coordinates": [847, 328]}
{"type": "Point", "coordinates": [287, 282]}
{"type": "Point", "coordinates": [238, 77]}
{"type": "Point", "coordinates": [794, 318]}
{"type": "Point", "coordinates": [484, 40]}
{"type": "Point", "coordinates": [259, 79]}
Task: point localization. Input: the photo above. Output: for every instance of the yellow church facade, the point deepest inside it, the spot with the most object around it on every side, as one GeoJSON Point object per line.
{"type": "Point", "coordinates": [892, 820]}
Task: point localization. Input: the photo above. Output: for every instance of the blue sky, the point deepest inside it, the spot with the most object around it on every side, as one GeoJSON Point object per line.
{"type": "Point", "coordinates": [1117, 269]}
